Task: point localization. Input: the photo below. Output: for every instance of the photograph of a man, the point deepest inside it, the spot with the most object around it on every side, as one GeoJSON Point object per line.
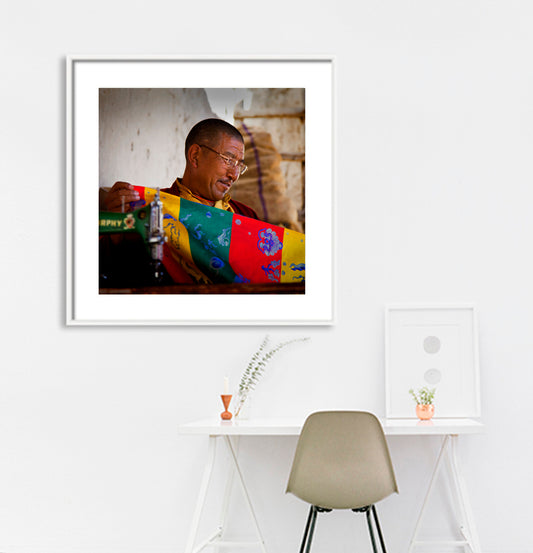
{"type": "Point", "coordinates": [203, 235]}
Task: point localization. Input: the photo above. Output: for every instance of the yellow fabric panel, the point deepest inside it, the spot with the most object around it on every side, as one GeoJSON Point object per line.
{"type": "Point", "coordinates": [293, 257]}
{"type": "Point", "coordinates": [176, 233]}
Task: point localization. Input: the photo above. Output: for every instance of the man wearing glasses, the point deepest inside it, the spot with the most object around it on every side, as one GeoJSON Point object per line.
{"type": "Point", "coordinates": [214, 152]}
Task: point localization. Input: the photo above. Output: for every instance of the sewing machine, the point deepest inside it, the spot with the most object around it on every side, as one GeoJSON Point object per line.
{"type": "Point", "coordinates": [120, 255]}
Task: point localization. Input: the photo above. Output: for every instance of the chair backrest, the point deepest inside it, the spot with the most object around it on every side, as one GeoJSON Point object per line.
{"type": "Point", "coordinates": [342, 461]}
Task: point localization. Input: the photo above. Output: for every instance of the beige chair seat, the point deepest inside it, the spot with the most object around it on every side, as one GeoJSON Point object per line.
{"type": "Point", "coordinates": [342, 461]}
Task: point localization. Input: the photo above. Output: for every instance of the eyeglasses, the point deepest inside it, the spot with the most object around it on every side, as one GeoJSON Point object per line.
{"type": "Point", "coordinates": [230, 162]}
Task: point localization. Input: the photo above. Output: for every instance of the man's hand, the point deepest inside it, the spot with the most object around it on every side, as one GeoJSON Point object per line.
{"type": "Point", "coordinates": [119, 197]}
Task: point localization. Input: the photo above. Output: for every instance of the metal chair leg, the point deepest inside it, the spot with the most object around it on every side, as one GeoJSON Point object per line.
{"type": "Point", "coordinates": [380, 534]}
{"type": "Point", "coordinates": [307, 526]}
{"type": "Point", "coordinates": [311, 529]}
{"type": "Point", "coordinates": [370, 531]}
{"type": "Point", "coordinates": [371, 509]}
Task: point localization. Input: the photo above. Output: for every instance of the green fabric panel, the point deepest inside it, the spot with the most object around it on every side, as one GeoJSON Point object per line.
{"type": "Point", "coordinates": [209, 237]}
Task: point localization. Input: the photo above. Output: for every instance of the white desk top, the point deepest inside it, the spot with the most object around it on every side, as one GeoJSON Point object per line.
{"type": "Point", "coordinates": [292, 427]}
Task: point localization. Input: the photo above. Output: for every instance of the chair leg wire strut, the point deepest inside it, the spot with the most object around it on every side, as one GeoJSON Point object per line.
{"type": "Point", "coordinates": [369, 510]}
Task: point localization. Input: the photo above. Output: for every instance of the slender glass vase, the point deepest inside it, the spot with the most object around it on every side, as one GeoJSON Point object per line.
{"type": "Point", "coordinates": [243, 412]}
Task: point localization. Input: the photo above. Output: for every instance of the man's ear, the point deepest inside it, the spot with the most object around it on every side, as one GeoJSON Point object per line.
{"type": "Point", "coordinates": [193, 154]}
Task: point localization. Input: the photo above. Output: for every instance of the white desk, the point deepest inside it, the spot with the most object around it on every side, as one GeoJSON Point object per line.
{"type": "Point", "coordinates": [449, 429]}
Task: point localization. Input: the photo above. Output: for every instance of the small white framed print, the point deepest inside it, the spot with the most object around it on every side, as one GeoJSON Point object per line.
{"type": "Point", "coordinates": [434, 346]}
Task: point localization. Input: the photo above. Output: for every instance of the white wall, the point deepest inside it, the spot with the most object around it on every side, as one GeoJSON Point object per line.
{"type": "Point", "coordinates": [433, 203]}
{"type": "Point", "coordinates": [142, 133]}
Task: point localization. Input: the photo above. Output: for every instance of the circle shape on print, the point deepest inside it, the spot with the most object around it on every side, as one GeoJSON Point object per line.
{"type": "Point", "coordinates": [432, 344]}
{"type": "Point", "coordinates": [432, 376]}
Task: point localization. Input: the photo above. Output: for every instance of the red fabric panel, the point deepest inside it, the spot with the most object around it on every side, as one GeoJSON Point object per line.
{"type": "Point", "coordinates": [255, 250]}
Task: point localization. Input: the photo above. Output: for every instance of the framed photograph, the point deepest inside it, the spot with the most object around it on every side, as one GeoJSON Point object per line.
{"type": "Point", "coordinates": [433, 346]}
{"type": "Point", "coordinates": [127, 122]}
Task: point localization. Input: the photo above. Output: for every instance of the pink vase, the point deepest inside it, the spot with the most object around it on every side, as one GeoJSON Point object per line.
{"type": "Point", "coordinates": [425, 412]}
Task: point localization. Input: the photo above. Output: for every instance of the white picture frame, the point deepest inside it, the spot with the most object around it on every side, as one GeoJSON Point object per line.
{"type": "Point", "coordinates": [85, 76]}
{"type": "Point", "coordinates": [434, 346]}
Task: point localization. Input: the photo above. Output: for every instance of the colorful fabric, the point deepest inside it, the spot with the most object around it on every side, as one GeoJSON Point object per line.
{"type": "Point", "coordinates": [214, 245]}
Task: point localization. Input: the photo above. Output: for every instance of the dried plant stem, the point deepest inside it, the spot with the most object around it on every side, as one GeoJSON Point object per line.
{"type": "Point", "coordinates": [256, 367]}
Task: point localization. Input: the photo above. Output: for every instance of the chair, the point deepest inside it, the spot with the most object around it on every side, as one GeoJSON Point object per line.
{"type": "Point", "coordinates": [342, 462]}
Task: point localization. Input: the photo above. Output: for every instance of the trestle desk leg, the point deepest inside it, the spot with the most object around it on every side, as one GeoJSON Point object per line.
{"type": "Point", "coordinates": [227, 494]}
{"type": "Point", "coordinates": [428, 493]}
{"type": "Point", "coordinates": [469, 530]}
{"type": "Point", "coordinates": [465, 516]}
{"type": "Point", "coordinates": [208, 470]}
{"type": "Point", "coordinates": [458, 504]}
{"type": "Point", "coordinates": [245, 491]}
